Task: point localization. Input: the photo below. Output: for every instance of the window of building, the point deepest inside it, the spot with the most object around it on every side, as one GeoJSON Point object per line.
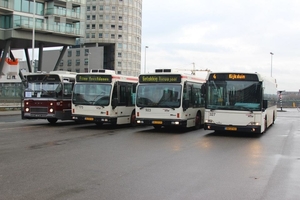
{"type": "Point", "coordinates": [87, 26]}
{"type": "Point", "coordinates": [119, 64]}
{"type": "Point", "coordinates": [93, 17]}
{"type": "Point", "coordinates": [86, 61]}
{"type": "Point", "coordinates": [86, 52]}
{"type": "Point", "coordinates": [77, 52]}
{"type": "Point", "coordinates": [120, 27]}
{"type": "Point", "coordinates": [100, 35]}
{"type": "Point", "coordinates": [69, 53]}
{"type": "Point", "coordinates": [113, 17]}
{"type": "Point", "coordinates": [113, 8]}
{"type": "Point", "coordinates": [88, 8]}
{"type": "Point", "coordinates": [88, 17]}
{"type": "Point", "coordinates": [120, 18]}
{"type": "Point", "coordinates": [119, 36]}
{"type": "Point", "coordinates": [119, 45]}
{"type": "Point", "coordinates": [100, 17]}
{"type": "Point", "coordinates": [100, 26]}
{"type": "Point", "coordinates": [112, 36]}
{"type": "Point", "coordinates": [69, 62]}
{"type": "Point", "coordinates": [119, 55]}
{"type": "Point", "coordinates": [112, 26]}
{"type": "Point", "coordinates": [100, 7]}
{"type": "Point", "coordinates": [93, 35]}
{"type": "Point", "coordinates": [93, 26]}
{"type": "Point", "coordinates": [87, 35]}
{"type": "Point", "coordinates": [94, 8]}
{"type": "Point", "coordinates": [61, 63]}
{"type": "Point", "coordinates": [77, 62]}
{"type": "Point", "coordinates": [69, 69]}
{"type": "Point", "coordinates": [77, 70]}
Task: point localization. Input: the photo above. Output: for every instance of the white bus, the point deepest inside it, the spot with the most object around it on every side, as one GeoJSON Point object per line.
{"type": "Point", "coordinates": [167, 98]}
{"type": "Point", "coordinates": [244, 102]}
{"type": "Point", "coordinates": [104, 97]}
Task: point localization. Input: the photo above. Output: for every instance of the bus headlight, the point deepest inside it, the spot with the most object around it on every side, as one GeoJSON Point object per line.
{"type": "Point", "coordinates": [51, 110]}
{"type": "Point", "coordinates": [26, 109]}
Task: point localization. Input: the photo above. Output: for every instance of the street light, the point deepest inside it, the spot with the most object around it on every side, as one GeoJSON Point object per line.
{"type": "Point", "coordinates": [145, 59]}
{"type": "Point", "coordinates": [271, 62]}
{"type": "Point", "coordinates": [33, 38]}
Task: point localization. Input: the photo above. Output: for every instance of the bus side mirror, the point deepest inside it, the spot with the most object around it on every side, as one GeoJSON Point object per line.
{"type": "Point", "coordinates": [185, 104]}
{"type": "Point", "coordinates": [114, 103]}
{"type": "Point", "coordinates": [265, 104]}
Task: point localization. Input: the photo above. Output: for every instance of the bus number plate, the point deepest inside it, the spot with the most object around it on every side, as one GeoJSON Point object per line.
{"type": "Point", "coordinates": [231, 128]}
{"type": "Point", "coordinates": [156, 122]}
{"type": "Point", "coordinates": [89, 119]}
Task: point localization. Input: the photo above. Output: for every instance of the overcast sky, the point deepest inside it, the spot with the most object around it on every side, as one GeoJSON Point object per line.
{"type": "Point", "coordinates": [224, 35]}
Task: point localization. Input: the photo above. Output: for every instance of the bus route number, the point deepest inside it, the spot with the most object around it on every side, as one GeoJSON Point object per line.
{"type": "Point", "coordinates": [212, 114]}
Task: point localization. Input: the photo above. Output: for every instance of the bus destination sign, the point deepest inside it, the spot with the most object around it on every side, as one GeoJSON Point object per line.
{"type": "Point", "coordinates": [43, 78]}
{"type": "Point", "coordinates": [160, 78]}
{"type": "Point", "coordinates": [233, 77]}
{"type": "Point", "coordinates": [93, 78]}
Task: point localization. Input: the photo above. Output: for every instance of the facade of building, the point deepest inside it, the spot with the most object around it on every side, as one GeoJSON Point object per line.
{"type": "Point", "coordinates": [115, 26]}
{"type": "Point", "coordinates": [28, 24]}
{"type": "Point", "coordinates": [75, 59]}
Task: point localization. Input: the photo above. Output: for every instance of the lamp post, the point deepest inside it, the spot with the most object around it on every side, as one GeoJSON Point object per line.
{"type": "Point", "coordinates": [145, 59]}
{"type": "Point", "coordinates": [271, 61]}
{"type": "Point", "coordinates": [33, 38]}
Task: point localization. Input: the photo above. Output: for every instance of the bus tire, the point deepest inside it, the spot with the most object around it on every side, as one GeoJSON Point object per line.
{"type": "Point", "coordinates": [52, 120]}
{"type": "Point", "coordinates": [198, 121]}
{"type": "Point", "coordinates": [266, 124]}
{"type": "Point", "coordinates": [132, 119]}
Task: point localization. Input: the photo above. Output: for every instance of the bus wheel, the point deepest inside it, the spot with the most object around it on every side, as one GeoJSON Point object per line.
{"type": "Point", "coordinates": [198, 122]}
{"type": "Point", "coordinates": [52, 120]}
{"type": "Point", "coordinates": [266, 125]}
{"type": "Point", "coordinates": [132, 119]}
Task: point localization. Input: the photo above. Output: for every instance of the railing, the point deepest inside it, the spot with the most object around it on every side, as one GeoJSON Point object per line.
{"type": "Point", "coordinates": [70, 13]}
{"type": "Point", "coordinates": [56, 28]}
{"type": "Point", "coordinates": [6, 4]}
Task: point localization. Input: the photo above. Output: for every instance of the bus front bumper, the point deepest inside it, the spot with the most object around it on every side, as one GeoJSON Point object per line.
{"type": "Point", "coordinates": [95, 119]}
{"type": "Point", "coordinates": [217, 127]}
{"type": "Point", "coordinates": [161, 122]}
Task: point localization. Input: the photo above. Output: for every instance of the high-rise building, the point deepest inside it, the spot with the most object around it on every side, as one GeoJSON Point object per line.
{"type": "Point", "coordinates": [117, 26]}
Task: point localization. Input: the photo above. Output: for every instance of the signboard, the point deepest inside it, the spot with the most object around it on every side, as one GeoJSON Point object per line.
{"type": "Point", "coordinates": [161, 78]}
{"type": "Point", "coordinates": [95, 78]}
{"type": "Point", "coordinates": [43, 78]}
{"type": "Point", "coordinates": [233, 77]}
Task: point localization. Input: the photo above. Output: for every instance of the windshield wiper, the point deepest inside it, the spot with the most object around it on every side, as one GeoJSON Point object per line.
{"type": "Point", "coordinates": [246, 108]}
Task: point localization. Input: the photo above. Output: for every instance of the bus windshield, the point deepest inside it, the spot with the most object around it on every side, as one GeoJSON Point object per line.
{"type": "Point", "coordinates": [158, 95]}
{"type": "Point", "coordinates": [234, 95]}
{"type": "Point", "coordinates": [91, 94]}
{"type": "Point", "coordinates": [43, 89]}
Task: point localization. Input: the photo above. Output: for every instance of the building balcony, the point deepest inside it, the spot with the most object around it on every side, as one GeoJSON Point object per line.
{"type": "Point", "coordinates": [6, 6]}
{"type": "Point", "coordinates": [65, 29]}
{"type": "Point", "coordinates": [70, 14]}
